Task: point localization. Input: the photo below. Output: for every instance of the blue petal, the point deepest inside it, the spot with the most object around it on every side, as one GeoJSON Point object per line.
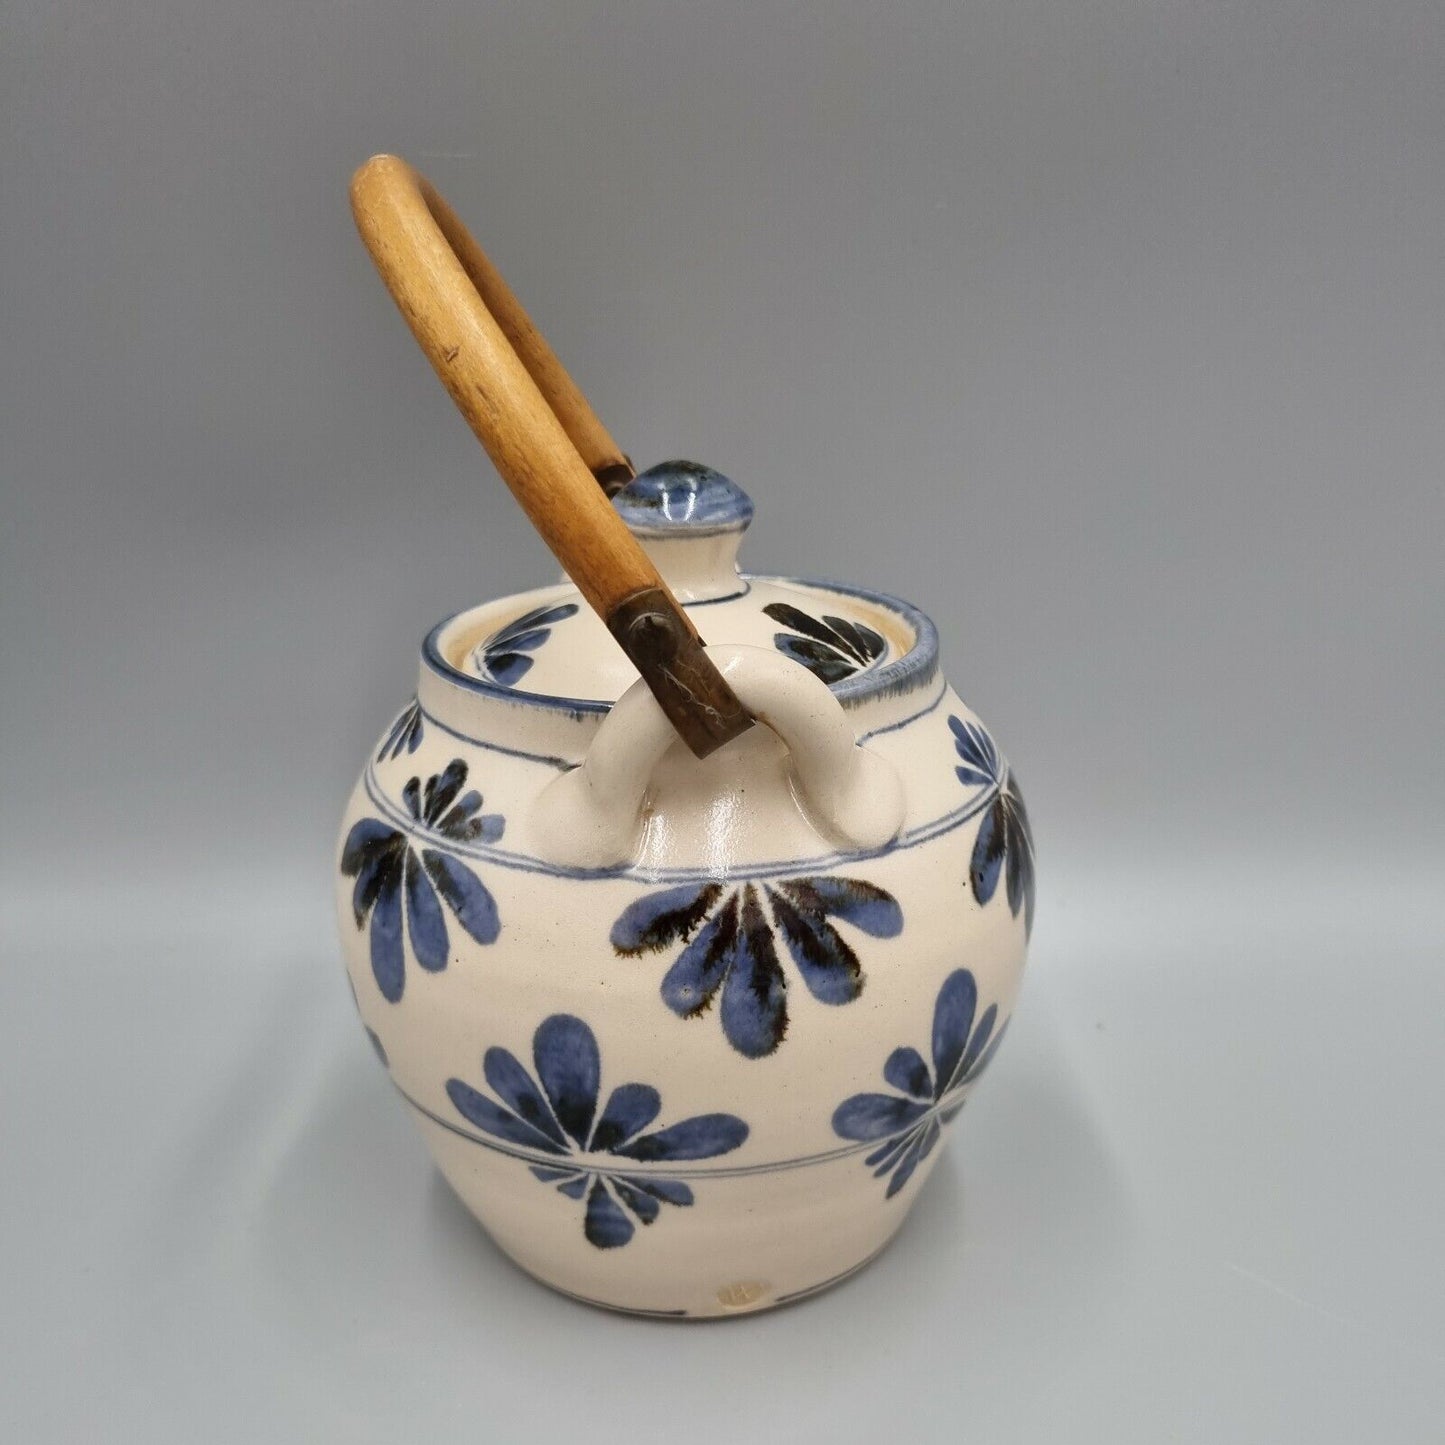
{"type": "Point", "coordinates": [754, 1003]}
{"type": "Point", "coordinates": [888, 1154]}
{"type": "Point", "coordinates": [1014, 874]}
{"type": "Point", "coordinates": [629, 1111]}
{"type": "Point", "coordinates": [367, 839]}
{"type": "Point", "coordinates": [828, 966]}
{"type": "Point", "coordinates": [931, 1132]}
{"type": "Point", "coordinates": [539, 617]}
{"type": "Point", "coordinates": [800, 621]}
{"type": "Point", "coordinates": [508, 668]}
{"type": "Point", "coordinates": [1028, 894]}
{"type": "Point", "coordinates": [703, 1137]}
{"type": "Point", "coordinates": [906, 1163]}
{"type": "Point", "coordinates": [986, 1059]}
{"type": "Point", "coordinates": [670, 1191]}
{"type": "Point", "coordinates": [442, 789]}
{"type": "Point", "coordinates": [988, 853]}
{"type": "Point", "coordinates": [380, 868]}
{"type": "Point", "coordinates": [514, 1086]}
{"type": "Point", "coordinates": [574, 1188]}
{"type": "Point", "coordinates": [976, 1045]}
{"type": "Point", "coordinates": [952, 1021]}
{"type": "Point", "coordinates": [864, 905]}
{"type": "Point", "coordinates": [973, 778]}
{"type": "Point", "coordinates": [392, 740]}
{"type": "Point", "coordinates": [550, 1175]}
{"type": "Point", "coordinates": [463, 826]}
{"type": "Point", "coordinates": [570, 1068]}
{"type": "Point", "coordinates": [405, 732]}
{"type": "Point", "coordinates": [551, 616]}
{"type": "Point", "coordinates": [387, 963]}
{"type": "Point", "coordinates": [491, 1118]}
{"type": "Point", "coordinates": [465, 895]}
{"type": "Point", "coordinates": [821, 659]}
{"type": "Point", "coordinates": [644, 1206]}
{"type": "Point", "coordinates": [424, 915]}
{"type": "Point", "coordinates": [460, 813]}
{"type": "Point", "coordinates": [976, 747]}
{"type": "Point", "coordinates": [1020, 847]}
{"type": "Point", "coordinates": [606, 1227]}
{"type": "Point", "coordinates": [875, 1116]}
{"type": "Point", "coordinates": [865, 644]}
{"type": "Point", "coordinates": [655, 920]}
{"type": "Point", "coordinates": [689, 985]}
{"type": "Point", "coordinates": [527, 641]}
{"type": "Point", "coordinates": [907, 1072]}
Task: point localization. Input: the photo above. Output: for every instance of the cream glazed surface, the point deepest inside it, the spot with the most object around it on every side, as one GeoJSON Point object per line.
{"type": "Point", "coordinates": [686, 1035]}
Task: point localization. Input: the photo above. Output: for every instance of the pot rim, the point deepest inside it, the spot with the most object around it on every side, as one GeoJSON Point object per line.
{"type": "Point", "coordinates": [915, 669]}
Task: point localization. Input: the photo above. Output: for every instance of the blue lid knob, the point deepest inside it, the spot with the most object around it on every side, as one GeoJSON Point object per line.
{"type": "Point", "coordinates": [677, 499]}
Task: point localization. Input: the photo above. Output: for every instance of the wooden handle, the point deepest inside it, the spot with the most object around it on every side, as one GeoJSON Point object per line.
{"type": "Point", "coordinates": [604, 458]}
{"type": "Point", "coordinates": [547, 447]}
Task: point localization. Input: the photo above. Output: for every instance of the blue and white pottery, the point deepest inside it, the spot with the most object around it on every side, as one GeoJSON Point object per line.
{"type": "Point", "coordinates": [685, 1035]}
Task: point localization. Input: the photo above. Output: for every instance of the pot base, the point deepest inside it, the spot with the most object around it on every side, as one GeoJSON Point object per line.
{"type": "Point", "coordinates": [745, 1297]}
{"type": "Point", "coordinates": [780, 1238]}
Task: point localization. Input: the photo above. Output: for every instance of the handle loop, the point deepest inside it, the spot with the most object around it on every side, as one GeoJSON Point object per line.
{"type": "Point", "coordinates": [541, 435]}
{"type": "Point", "coordinates": [591, 817]}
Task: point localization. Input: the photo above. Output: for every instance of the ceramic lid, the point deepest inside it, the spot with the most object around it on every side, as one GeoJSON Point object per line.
{"type": "Point", "coordinates": [551, 647]}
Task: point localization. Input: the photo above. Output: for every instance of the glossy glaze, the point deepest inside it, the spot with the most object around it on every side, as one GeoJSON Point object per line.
{"type": "Point", "coordinates": [686, 1035]}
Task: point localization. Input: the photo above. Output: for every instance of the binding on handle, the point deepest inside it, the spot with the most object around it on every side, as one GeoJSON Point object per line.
{"type": "Point", "coordinates": [541, 435]}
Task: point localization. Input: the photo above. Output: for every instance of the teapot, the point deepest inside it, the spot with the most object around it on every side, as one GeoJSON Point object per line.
{"type": "Point", "coordinates": [684, 906]}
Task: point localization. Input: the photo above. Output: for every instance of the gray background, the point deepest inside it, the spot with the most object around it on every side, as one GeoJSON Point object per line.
{"type": "Point", "coordinates": [1111, 334]}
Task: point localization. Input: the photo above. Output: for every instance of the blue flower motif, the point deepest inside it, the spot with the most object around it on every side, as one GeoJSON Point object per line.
{"type": "Point", "coordinates": [387, 867]}
{"type": "Point", "coordinates": [592, 1152]}
{"type": "Point", "coordinates": [504, 654]}
{"type": "Point", "coordinates": [831, 647]}
{"type": "Point", "coordinates": [910, 1121]}
{"type": "Point", "coordinates": [404, 734]}
{"type": "Point", "coordinates": [1005, 843]}
{"type": "Point", "coordinates": [731, 950]}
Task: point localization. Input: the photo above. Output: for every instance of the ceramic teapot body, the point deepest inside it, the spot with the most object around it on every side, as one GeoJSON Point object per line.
{"type": "Point", "coordinates": [683, 907]}
{"type": "Point", "coordinates": [685, 1035]}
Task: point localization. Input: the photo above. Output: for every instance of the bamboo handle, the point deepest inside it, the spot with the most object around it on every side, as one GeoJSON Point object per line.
{"type": "Point", "coordinates": [604, 458]}
{"type": "Point", "coordinates": [442, 282]}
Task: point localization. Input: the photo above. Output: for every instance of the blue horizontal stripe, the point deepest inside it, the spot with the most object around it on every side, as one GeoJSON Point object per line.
{"type": "Point", "coordinates": [780, 868]}
{"type": "Point", "coordinates": [662, 1168]}
{"type": "Point", "coordinates": [562, 765]}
